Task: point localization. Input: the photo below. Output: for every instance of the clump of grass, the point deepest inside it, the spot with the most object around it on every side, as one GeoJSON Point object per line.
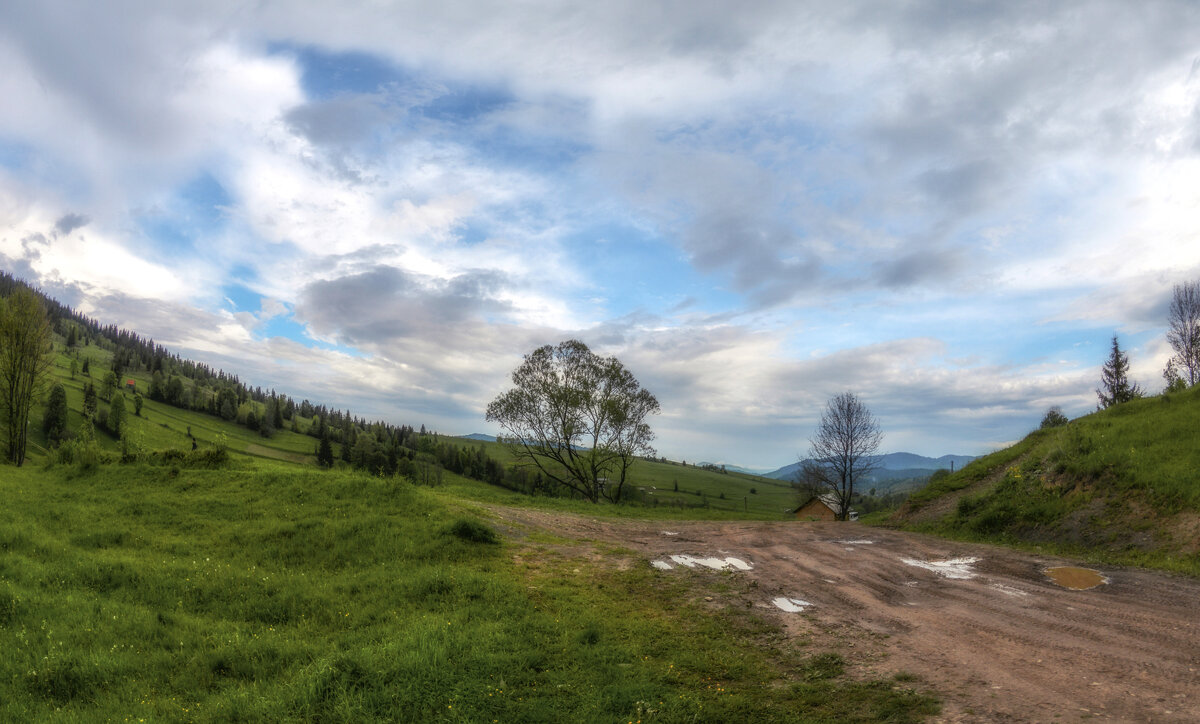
{"type": "Point", "coordinates": [474, 531]}
{"type": "Point", "coordinates": [823, 666]}
{"type": "Point", "coordinates": [589, 636]}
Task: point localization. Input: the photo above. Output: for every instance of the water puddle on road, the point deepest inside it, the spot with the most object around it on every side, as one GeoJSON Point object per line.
{"type": "Point", "coordinates": [1076, 579]}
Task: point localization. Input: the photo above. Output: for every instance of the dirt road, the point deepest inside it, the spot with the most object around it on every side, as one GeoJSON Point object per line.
{"type": "Point", "coordinates": [993, 635]}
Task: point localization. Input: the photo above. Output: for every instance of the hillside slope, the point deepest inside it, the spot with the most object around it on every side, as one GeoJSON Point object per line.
{"type": "Point", "coordinates": [1121, 484]}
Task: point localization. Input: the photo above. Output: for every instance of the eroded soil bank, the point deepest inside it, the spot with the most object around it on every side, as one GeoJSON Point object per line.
{"type": "Point", "coordinates": [983, 625]}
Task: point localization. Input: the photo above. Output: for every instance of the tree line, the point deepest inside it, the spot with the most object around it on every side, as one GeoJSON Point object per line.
{"type": "Point", "coordinates": [1183, 367]}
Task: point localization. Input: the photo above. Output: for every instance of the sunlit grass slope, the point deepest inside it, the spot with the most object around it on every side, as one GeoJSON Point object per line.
{"type": "Point", "coordinates": [1121, 485]}
{"type": "Point", "coordinates": [161, 426]}
{"type": "Point", "coordinates": [269, 592]}
{"type": "Point", "coordinates": [675, 484]}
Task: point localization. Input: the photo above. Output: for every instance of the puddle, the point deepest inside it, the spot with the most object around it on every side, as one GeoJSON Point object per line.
{"type": "Point", "coordinates": [953, 568]}
{"type": "Point", "coordinates": [1076, 579]}
{"type": "Point", "coordinates": [857, 542]}
{"type": "Point", "coordinates": [791, 605]}
{"type": "Point", "coordinates": [714, 563]}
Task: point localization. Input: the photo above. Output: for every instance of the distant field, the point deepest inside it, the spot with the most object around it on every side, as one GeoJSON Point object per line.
{"type": "Point", "coordinates": [696, 486]}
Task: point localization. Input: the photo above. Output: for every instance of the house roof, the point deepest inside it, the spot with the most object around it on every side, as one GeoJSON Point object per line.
{"type": "Point", "coordinates": [829, 499]}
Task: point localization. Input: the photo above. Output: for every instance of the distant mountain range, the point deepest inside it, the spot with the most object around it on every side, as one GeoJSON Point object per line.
{"type": "Point", "coordinates": [479, 436]}
{"type": "Point", "coordinates": [893, 466]}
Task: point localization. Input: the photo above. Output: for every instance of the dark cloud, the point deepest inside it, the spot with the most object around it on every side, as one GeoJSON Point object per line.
{"type": "Point", "coordinates": [69, 223]}
{"type": "Point", "coordinates": [20, 268]}
{"type": "Point", "coordinates": [387, 304]}
{"type": "Point", "coordinates": [918, 268]}
{"type": "Point", "coordinates": [342, 120]}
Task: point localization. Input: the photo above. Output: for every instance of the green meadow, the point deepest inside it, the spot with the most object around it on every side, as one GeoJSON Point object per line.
{"type": "Point", "coordinates": [269, 592]}
{"type": "Point", "coordinates": [267, 589]}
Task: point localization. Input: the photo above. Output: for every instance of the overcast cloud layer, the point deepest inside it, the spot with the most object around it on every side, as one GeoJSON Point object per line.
{"type": "Point", "coordinates": [946, 207]}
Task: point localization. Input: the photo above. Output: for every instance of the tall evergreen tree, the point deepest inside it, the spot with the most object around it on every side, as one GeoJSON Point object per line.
{"type": "Point", "coordinates": [89, 401]}
{"type": "Point", "coordinates": [54, 422]}
{"type": "Point", "coordinates": [1115, 387]}
{"type": "Point", "coordinates": [325, 452]}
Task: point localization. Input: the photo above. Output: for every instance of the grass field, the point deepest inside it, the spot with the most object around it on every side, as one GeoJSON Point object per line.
{"type": "Point", "coordinates": [269, 592]}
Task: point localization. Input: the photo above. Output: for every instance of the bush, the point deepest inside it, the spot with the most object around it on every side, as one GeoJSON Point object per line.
{"type": "Point", "coordinates": [473, 531]}
{"type": "Point", "coordinates": [1054, 418]}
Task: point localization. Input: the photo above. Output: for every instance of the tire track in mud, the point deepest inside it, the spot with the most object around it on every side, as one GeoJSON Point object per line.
{"type": "Point", "coordinates": [1006, 644]}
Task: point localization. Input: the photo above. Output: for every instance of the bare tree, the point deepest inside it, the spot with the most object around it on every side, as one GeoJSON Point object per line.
{"type": "Point", "coordinates": [26, 353]}
{"type": "Point", "coordinates": [842, 449]}
{"type": "Point", "coordinates": [1183, 328]}
{"type": "Point", "coordinates": [579, 418]}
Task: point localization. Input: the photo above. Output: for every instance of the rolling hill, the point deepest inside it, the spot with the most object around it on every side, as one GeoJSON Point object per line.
{"type": "Point", "coordinates": [1120, 485]}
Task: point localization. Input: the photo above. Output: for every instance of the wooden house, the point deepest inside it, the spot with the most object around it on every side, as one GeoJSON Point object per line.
{"type": "Point", "coordinates": [820, 507]}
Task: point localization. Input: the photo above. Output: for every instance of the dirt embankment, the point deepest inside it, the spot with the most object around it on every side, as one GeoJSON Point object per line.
{"type": "Point", "coordinates": [983, 625]}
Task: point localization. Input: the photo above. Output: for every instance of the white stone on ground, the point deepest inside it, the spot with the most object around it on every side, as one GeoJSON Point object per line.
{"type": "Point", "coordinates": [791, 605]}
{"type": "Point", "coordinates": [952, 568]}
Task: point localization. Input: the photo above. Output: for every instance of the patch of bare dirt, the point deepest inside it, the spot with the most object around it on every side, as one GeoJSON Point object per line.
{"type": "Point", "coordinates": [994, 635]}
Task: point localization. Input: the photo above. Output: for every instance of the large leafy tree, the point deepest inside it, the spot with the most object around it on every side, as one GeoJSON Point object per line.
{"type": "Point", "coordinates": [842, 450]}
{"type": "Point", "coordinates": [1115, 386]}
{"type": "Point", "coordinates": [579, 418]}
{"type": "Point", "coordinates": [1183, 329]}
{"type": "Point", "coordinates": [26, 353]}
{"type": "Point", "coordinates": [116, 414]}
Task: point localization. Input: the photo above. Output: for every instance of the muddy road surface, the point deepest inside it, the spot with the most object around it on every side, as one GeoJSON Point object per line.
{"type": "Point", "coordinates": [983, 625]}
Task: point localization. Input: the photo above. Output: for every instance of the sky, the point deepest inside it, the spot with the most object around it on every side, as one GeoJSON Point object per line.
{"type": "Point", "coordinates": [948, 208]}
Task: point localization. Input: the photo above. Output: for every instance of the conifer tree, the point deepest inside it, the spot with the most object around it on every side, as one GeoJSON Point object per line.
{"type": "Point", "coordinates": [325, 452]}
{"type": "Point", "coordinates": [89, 401]}
{"type": "Point", "coordinates": [54, 422]}
{"type": "Point", "coordinates": [1115, 387]}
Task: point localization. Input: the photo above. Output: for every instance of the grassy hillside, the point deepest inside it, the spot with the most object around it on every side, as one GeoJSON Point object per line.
{"type": "Point", "coordinates": [1121, 485]}
{"type": "Point", "coordinates": [160, 425]}
{"type": "Point", "coordinates": [271, 592]}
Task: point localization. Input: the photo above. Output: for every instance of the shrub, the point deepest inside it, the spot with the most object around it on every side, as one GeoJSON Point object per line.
{"type": "Point", "coordinates": [1054, 418]}
{"type": "Point", "coordinates": [473, 531]}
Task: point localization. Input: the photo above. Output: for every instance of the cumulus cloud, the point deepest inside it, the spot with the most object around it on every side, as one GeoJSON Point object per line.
{"type": "Point", "coordinates": [755, 209]}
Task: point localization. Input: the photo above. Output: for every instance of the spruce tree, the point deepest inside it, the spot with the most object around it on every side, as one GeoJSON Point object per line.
{"type": "Point", "coordinates": [1115, 387]}
{"type": "Point", "coordinates": [325, 453]}
{"type": "Point", "coordinates": [89, 401]}
{"type": "Point", "coordinates": [54, 422]}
